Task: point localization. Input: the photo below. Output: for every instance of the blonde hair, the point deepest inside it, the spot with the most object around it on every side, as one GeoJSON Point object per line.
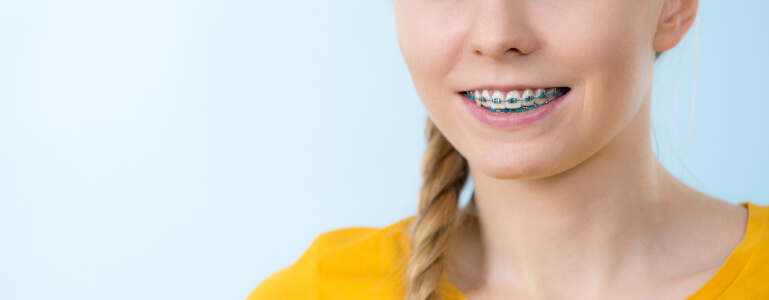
{"type": "Point", "coordinates": [444, 173]}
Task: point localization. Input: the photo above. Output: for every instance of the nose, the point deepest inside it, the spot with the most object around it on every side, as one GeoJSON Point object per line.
{"type": "Point", "coordinates": [501, 29]}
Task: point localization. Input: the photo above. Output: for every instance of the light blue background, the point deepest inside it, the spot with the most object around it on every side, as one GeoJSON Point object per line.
{"type": "Point", "coordinates": [146, 152]}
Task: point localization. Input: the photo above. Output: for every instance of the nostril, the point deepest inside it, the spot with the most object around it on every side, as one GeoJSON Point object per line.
{"type": "Point", "coordinates": [513, 50]}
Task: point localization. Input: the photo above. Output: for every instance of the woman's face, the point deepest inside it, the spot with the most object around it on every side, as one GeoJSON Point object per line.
{"type": "Point", "coordinates": [600, 49]}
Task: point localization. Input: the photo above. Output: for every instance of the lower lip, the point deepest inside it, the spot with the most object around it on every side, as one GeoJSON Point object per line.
{"type": "Point", "coordinates": [511, 120]}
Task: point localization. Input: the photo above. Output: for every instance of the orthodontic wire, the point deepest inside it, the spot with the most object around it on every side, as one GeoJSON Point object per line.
{"type": "Point", "coordinates": [556, 92]}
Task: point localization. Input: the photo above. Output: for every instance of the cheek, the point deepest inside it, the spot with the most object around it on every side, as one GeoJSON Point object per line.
{"type": "Point", "coordinates": [430, 44]}
{"type": "Point", "coordinates": [612, 52]}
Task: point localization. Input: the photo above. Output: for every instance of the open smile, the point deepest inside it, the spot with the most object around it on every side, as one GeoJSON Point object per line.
{"type": "Point", "coordinates": [514, 101]}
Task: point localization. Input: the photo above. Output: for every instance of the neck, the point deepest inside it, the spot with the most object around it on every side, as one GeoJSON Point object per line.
{"type": "Point", "coordinates": [587, 220]}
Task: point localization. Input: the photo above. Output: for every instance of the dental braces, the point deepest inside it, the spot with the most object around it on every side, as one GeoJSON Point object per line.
{"type": "Point", "coordinates": [556, 92]}
{"type": "Point", "coordinates": [521, 109]}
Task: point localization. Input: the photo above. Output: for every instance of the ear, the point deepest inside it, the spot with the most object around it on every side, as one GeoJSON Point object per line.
{"type": "Point", "coordinates": [676, 19]}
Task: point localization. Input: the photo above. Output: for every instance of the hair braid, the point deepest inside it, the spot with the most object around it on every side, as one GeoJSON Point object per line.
{"type": "Point", "coordinates": [444, 173]}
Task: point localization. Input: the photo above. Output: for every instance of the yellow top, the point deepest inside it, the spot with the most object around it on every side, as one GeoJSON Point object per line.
{"type": "Point", "coordinates": [368, 263]}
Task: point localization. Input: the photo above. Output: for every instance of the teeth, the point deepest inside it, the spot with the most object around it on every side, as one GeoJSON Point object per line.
{"type": "Point", "coordinates": [485, 98]}
{"type": "Point", "coordinates": [540, 96]}
{"type": "Point", "coordinates": [550, 95]}
{"type": "Point", "coordinates": [496, 100]}
{"type": "Point", "coordinates": [513, 96]}
{"type": "Point", "coordinates": [528, 97]}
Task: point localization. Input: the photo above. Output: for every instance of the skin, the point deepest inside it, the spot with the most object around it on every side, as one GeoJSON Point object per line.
{"type": "Point", "coordinates": [575, 206]}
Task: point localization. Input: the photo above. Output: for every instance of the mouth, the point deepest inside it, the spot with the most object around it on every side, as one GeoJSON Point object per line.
{"type": "Point", "coordinates": [514, 101]}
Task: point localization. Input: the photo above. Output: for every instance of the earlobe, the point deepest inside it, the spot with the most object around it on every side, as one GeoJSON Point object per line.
{"type": "Point", "coordinates": [675, 20]}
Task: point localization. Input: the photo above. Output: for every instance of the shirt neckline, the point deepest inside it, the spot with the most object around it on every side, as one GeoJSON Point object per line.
{"type": "Point", "coordinates": [721, 280]}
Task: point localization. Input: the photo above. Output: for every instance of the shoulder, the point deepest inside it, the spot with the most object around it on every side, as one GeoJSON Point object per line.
{"type": "Point", "coordinates": [357, 262]}
{"type": "Point", "coordinates": [751, 259]}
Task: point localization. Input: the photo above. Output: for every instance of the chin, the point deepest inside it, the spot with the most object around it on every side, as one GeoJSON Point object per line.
{"type": "Point", "coordinates": [502, 166]}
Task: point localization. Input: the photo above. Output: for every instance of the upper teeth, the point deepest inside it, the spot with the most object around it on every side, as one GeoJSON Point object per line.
{"type": "Point", "coordinates": [496, 99]}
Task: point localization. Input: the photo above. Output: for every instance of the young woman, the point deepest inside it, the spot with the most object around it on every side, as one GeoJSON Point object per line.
{"type": "Point", "coordinates": [546, 103]}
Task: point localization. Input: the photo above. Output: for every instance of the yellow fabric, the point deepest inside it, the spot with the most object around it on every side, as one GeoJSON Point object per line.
{"type": "Point", "coordinates": [368, 263]}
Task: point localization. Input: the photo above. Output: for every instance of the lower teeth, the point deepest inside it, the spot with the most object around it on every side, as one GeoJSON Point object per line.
{"type": "Point", "coordinates": [517, 110]}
